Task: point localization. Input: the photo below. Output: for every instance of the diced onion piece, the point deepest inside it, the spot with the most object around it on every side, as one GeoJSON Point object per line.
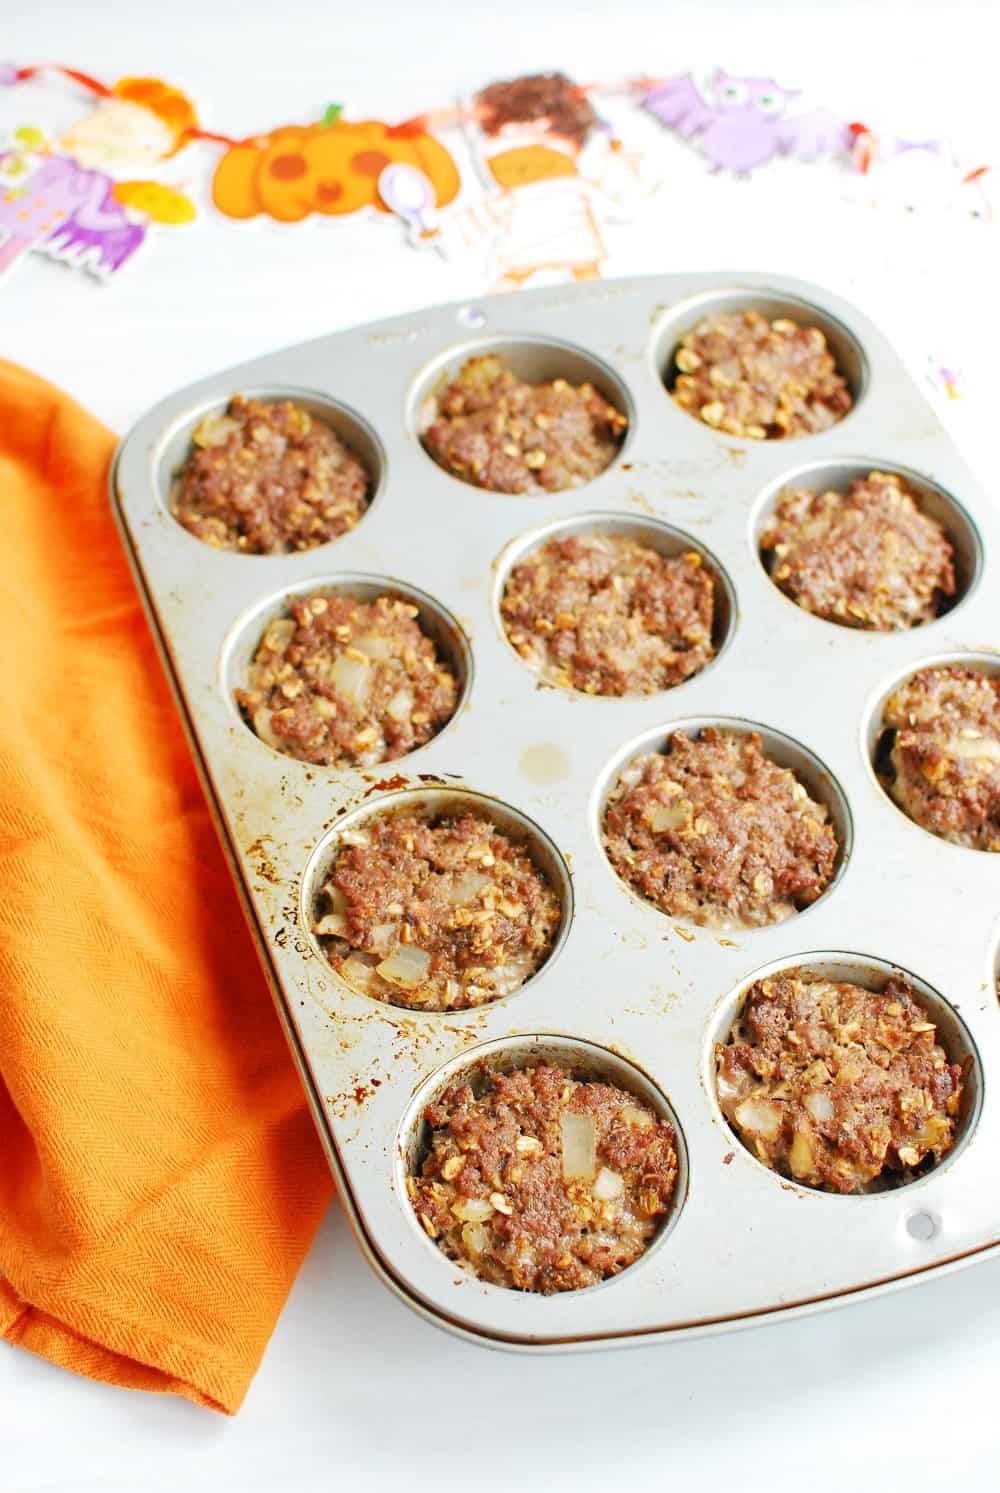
{"type": "Point", "coordinates": [351, 679]}
{"type": "Point", "coordinates": [819, 1105]}
{"type": "Point", "coordinates": [640, 1118]}
{"type": "Point", "coordinates": [279, 634]}
{"type": "Point", "coordinates": [466, 888]}
{"type": "Point", "coordinates": [475, 1238]}
{"type": "Point", "coordinates": [406, 966]}
{"type": "Point", "coordinates": [400, 707]}
{"type": "Point", "coordinates": [759, 1117]}
{"type": "Point", "coordinates": [608, 1185]}
{"type": "Point", "coordinates": [214, 430]}
{"type": "Point", "coordinates": [579, 1145]}
{"type": "Point", "coordinates": [262, 725]}
{"type": "Point", "coordinates": [472, 1210]}
{"type": "Point", "coordinates": [382, 937]}
{"type": "Point", "coordinates": [357, 971]}
{"type": "Point", "coordinates": [324, 708]}
{"type": "Point", "coordinates": [984, 749]}
{"type": "Point", "coordinates": [373, 646]}
{"type": "Point", "coordinates": [668, 816]}
{"type": "Point", "coordinates": [330, 925]}
{"type": "Point", "coordinates": [335, 897]}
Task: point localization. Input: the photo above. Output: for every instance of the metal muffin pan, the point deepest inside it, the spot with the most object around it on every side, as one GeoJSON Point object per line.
{"type": "Point", "coordinates": [627, 992]}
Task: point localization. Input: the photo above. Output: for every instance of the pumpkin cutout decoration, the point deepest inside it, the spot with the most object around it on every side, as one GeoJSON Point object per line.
{"type": "Point", "coordinates": [328, 168]}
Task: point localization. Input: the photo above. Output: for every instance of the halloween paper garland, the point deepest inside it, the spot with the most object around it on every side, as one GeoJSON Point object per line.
{"type": "Point", "coordinates": [553, 171]}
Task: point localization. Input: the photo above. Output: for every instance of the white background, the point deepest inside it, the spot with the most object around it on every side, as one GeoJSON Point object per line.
{"type": "Point", "coordinates": [354, 1390]}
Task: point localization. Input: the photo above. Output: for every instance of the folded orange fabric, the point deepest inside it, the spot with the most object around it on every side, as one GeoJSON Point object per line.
{"type": "Point", "coordinates": [160, 1178]}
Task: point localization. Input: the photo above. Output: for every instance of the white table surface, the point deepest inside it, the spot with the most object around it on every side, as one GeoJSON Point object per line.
{"type": "Point", "coordinates": [355, 1391]}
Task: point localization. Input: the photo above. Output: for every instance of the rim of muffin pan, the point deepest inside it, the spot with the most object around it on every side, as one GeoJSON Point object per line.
{"type": "Point", "coordinates": [809, 768]}
{"type": "Point", "coordinates": [870, 971]}
{"type": "Point", "coordinates": [536, 359]}
{"type": "Point", "coordinates": [665, 538]}
{"type": "Point", "coordinates": [584, 1060]}
{"type": "Point", "coordinates": [674, 322]}
{"type": "Point", "coordinates": [175, 445]}
{"type": "Point", "coordinates": [544, 853]}
{"type": "Point", "coordinates": [934, 500]}
{"type": "Point", "coordinates": [876, 739]}
{"type": "Point", "coordinates": [440, 625]}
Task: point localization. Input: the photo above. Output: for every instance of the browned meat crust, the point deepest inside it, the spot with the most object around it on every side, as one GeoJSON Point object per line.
{"type": "Point", "coordinates": [764, 380]}
{"type": "Point", "coordinates": [836, 1086]}
{"type": "Point", "coordinates": [340, 682]}
{"type": "Point", "coordinates": [865, 558]}
{"type": "Point", "coordinates": [541, 1182]}
{"type": "Point", "coordinates": [439, 911]}
{"type": "Point", "coordinates": [943, 762]}
{"type": "Point", "coordinates": [267, 479]}
{"type": "Point", "coordinates": [498, 432]}
{"type": "Point", "coordinates": [603, 614]}
{"type": "Point", "coordinates": [715, 832]}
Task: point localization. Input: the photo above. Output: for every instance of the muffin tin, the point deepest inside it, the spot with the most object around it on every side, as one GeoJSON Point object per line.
{"type": "Point", "coordinates": [627, 993]}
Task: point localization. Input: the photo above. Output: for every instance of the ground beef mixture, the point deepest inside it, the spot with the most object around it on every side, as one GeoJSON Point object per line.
{"type": "Point", "coordinates": [714, 832]}
{"type": "Point", "coordinates": [865, 558]}
{"type": "Point", "coordinates": [762, 379]}
{"type": "Point", "coordinates": [549, 100]}
{"type": "Point", "coordinates": [605, 615]}
{"type": "Point", "coordinates": [438, 912]}
{"type": "Point", "coordinates": [342, 683]}
{"type": "Point", "coordinates": [498, 432]}
{"type": "Point", "coordinates": [939, 757]}
{"type": "Point", "coordinates": [267, 479]}
{"type": "Point", "coordinates": [543, 1182]}
{"type": "Point", "coordinates": [836, 1086]}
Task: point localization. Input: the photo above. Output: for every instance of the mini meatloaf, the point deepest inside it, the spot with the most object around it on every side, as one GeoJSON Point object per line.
{"type": "Point", "coordinates": [496, 431]}
{"type": "Point", "coordinates": [438, 911]}
{"type": "Point", "coordinates": [539, 1181]}
{"type": "Point", "coordinates": [762, 379]}
{"type": "Point", "coordinates": [266, 479]}
{"type": "Point", "coordinates": [347, 683]}
{"type": "Point", "coordinates": [939, 757]}
{"type": "Point", "coordinates": [865, 558]}
{"type": "Point", "coordinates": [837, 1086]}
{"type": "Point", "coordinates": [605, 615]}
{"type": "Point", "coordinates": [713, 832]}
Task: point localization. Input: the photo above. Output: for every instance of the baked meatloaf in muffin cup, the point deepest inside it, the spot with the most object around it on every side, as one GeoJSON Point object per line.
{"type": "Point", "coordinates": [939, 753]}
{"type": "Point", "coordinates": [608, 615]}
{"type": "Point", "coordinates": [839, 1087]}
{"type": "Point", "coordinates": [761, 379]}
{"type": "Point", "coordinates": [341, 682]}
{"type": "Point", "coordinates": [268, 478]}
{"type": "Point", "coordinates": [542, 1181]}
{"type": "Point", "coordinates": [436, 909]}
{"type": "Point", "coordinates": [496, 431]}
{"type": "Point", "coordinates": [869, 557]}
{"type": "Point", "coordinates": [714, 832]}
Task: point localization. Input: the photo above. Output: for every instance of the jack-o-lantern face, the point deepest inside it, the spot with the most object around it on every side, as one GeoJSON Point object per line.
{"type": "Point", "coordinates": [328, 169]}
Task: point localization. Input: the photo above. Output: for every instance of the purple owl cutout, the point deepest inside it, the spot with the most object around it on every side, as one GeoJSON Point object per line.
{"type": "Point", "coordinates": [745, 124]}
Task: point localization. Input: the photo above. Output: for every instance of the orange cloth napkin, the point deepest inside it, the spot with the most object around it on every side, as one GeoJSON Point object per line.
{"type": "Point", "coordinates": [160, 1178]}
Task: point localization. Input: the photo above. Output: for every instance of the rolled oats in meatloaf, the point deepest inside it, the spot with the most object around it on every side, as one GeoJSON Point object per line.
{"type": "Point", "coordinates": [865, 558]}
{"type": "Point", "coordinates": [435, 910]}
{"type": "Point", "coordinates": [942, 765]}
{"type": "Point", "coordinates": [268, 478]}
{"type": "Point", "coordinates": [603, 614]}
{"type": "Point", "coordinates": [748, 376]}
{"type": "Point", "coordinates": [494, 430]}
{"type": "Point", "coordinates": [714, 832]}
{"type": "Point", "coordinates": [837, 1086]}
{"type": "Point", "coordinates": [542, 1182]}
{"type": "Point", "coordinates": [341, 682]}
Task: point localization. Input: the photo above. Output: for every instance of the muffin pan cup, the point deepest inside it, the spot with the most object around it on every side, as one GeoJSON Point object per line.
{"type": "Point", "coordinates": [743, 1243]}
